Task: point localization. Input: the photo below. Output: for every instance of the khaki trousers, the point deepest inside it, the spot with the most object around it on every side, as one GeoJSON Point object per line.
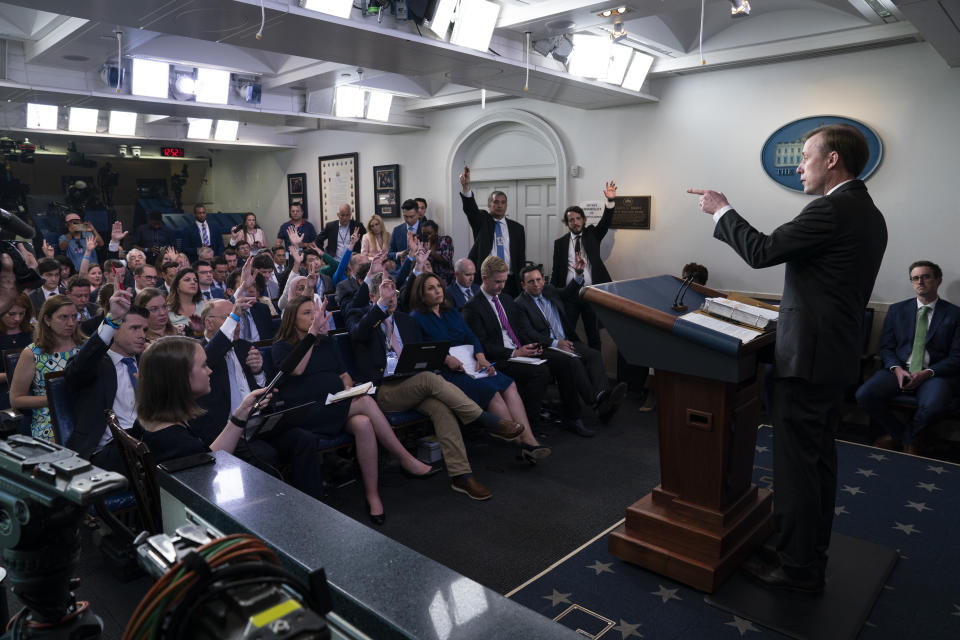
{"type": "Point", "coordinates": [443, 403]}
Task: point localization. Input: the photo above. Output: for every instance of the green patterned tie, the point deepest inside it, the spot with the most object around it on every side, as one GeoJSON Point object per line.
{"type": "Point", "coordinates": [919, 341]}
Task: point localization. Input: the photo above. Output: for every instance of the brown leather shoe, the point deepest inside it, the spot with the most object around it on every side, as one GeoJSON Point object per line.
{"type": "Point", "coordinates": [471, 487]}
{"type": "Point", "coordinates": [885, 442]}
{"type": "Point", "coordinates": [507, 430]}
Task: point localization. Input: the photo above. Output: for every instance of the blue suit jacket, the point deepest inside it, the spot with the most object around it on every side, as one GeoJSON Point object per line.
{"type": "Point", "coordinates": [943, 337]}
{"type": "Point", "coordinates": [191, 240]}
{"type": "Point", "coordinates": [456, 296]}
{"type": "Point", "coordinates": [398, 240]}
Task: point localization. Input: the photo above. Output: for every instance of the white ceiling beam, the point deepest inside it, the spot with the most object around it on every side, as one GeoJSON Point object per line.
{"type": "Point", "coordinates": [299, 75]}
{"type": "Point", "coordinates": [451, 100]}
{"type": "Point", "coordinates": [67, 28]}
{"type": "Point", "coordinates": [895, 32]}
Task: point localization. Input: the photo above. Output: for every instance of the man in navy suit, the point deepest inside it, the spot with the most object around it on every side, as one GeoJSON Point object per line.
{"type": "Point", "coordinates": [493, 234]}
{"type": "Point", "coordinates": [832, 251]}
{"type": "Point", "coordinates": [398, 237]}
{"type": "Point", "coordinates": [103, 376]}
{"type": "Point", "coordinates": [464, 286]}
{"type": "Point", "coordinates": [200, 234]}
{"type": "Point", "coordinates": [920, 352]}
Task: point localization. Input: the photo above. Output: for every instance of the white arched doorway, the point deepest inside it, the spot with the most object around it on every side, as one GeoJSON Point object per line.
{"type": "Point", "coordinates": [520, 153]}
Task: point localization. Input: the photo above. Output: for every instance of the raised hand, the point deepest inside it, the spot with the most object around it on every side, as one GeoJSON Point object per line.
{"type": "Point", "coordinates": [294, 237]}
{"type": "Point", "coordinates": [48, 250]}
{"type": "Point", "coordinates": [376, 262]}
{"type": "Point", "coordinates": [117, 233]}
{"type": "Point", "coordinates": [254, 360]}
{"type": "Point", "coordinates": [465, 179]}
{"type": "Point", "coordinates": [580, 263]}
{"type": "Point", "coordinates": [91, 244]}
{"type": "Point", "coordinates": [170, 255]}
{"type": "Point", "coordinates": [120, 304]}
{"type": "Point", "coordinates": [321, 319]}
{"type": "Point", "coordinates": [297, 254]}
{"type": "Point", "coordinates": [354, 236]}
{"type": "Point", "coordinates": [246, 275]}
{"type": "Point", "coordinates": [242, 304]}
{"type": "Point", "coordinates": [388, 292]}
{"type": "Point", "coordinates": [610, 190]}
{"type": "Point", "coordinates": [423, 254]}
{"type": "Point", "coordinates": [28, 256]}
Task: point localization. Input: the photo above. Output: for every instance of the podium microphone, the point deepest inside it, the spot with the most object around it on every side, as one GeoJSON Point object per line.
{"type": "Point", "coordinates": [286, 368]}
{"type": "Point", "coordinates": [678, 299]}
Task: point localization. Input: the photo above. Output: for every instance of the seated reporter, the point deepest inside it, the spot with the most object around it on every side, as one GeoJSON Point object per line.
{"type": "Point", "coordinates": [255, 323]}
{"type": "Point", "coordinates": [185, 302]}
{"type": "Point", "coordinates": [378, 333]}
{"type": "Point", "coordinates": [158, 324]}
{"type": "Point", "coordinates": [495, 392]}
{"type": "Point", "coordinates": [320, 372]}
{"type": "Point", "coordinates": [104, 375]}
{"type": "Point", "coordinates": [502, 329]}
{"type": "Point", "coordinates": [173, 376]}
{"type": "Point", "coordinates": [582, 376]}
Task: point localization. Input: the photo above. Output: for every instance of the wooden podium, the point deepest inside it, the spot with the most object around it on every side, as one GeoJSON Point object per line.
{"type": "Point", "coordinates": [706, 515]}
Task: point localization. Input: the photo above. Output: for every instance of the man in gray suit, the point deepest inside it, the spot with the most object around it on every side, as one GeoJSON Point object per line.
{"type": "Point", "coordinates": [832, 252]}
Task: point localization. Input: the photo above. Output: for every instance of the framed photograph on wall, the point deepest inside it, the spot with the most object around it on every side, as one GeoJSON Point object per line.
{"type": "Point", "coordinates": [339, 184]}
{"type": "Point", "coordinates": [386, 187]}
{"type": "Point", "coordinates": [297, 191]}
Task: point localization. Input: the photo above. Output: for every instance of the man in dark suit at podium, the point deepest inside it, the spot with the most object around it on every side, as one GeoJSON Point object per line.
{"type": "Point", "coordinates": [583, 242]}
{"type": "Point", "coordinates": [920, 358]}
{"type": "Point", "coordinates": [493, 234]}
{"type": "Point", "coordinates": [832, 252]}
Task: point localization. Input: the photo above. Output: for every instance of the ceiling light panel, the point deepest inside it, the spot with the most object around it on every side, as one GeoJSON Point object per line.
{"type": "Point", "coordinates": [199, 128]}
{"type": "Point", "coordinates": [42, 116]}
{"type": "Point", "coordinates": [590, 57]}
{"type": "Point", "coordinates": [442, 17]}
{"type": "Point", "coordinates": [338, 8]}
{"type": "Point", "coordinates": [212, 86]}
{"type": "Point", "coordinates": [226, 130]}
{"type": "Point", "coordinates": [349, 102]}
{"type": "Point", "coordinates": [150, 78]}
{"type": "Point", "coordinates": [378, 107]}
{"type": "Point", "coordinates": [619, 61]}
{"type": "Point", "coordinates": [476, 20]}
{"type": "Point", "coordinates": [123, 123]}
{"type": "Point", "coordinates": [637, 73]}
{"type": "Point", "coordinates": [83, 120]}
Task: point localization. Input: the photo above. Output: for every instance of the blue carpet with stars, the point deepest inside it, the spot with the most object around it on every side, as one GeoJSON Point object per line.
{"type": "Point", "coordinates": [911, 504]}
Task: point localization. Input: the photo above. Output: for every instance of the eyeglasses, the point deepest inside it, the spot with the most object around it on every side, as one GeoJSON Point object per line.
{"type": "Point", "coordinates": [922, 276]}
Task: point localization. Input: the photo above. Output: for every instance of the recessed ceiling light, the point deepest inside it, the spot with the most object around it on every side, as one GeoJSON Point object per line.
{"type": "Point", "coordinates": [83, 120]}
{"type": "Point", "coordinates": [606, 13]}
{"type": "Point", "coordinates": [226, 130]}
{"type": "Point", "coordinates": [199, 128]}
{"type": "Point", "coordinates": [123, 123]}
{"type": "Point", "coordinates": [150, 78]}
{"type": "Point", "coordinates": [72, 57]}
{"type": "Point", "coordinates": [42, 116]}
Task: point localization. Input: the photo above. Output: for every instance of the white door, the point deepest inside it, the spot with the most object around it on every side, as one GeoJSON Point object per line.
{"type": "Point", "coordinates": [532, 203]}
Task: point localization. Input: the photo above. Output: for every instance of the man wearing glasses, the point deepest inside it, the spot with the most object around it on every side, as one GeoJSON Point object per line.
{"type": "Point", "coordinates": [920, 353]}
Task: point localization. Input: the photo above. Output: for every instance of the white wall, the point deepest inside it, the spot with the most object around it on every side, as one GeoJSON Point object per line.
{"type": "Point", "coordinates": [707, 130]}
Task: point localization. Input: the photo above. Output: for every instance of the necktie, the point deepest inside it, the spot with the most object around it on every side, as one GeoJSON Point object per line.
{"type": "Point", "coordinates": [204, 236]}
{"type": "Point", "coordinates": [131, 365]}
{"type": "Point", "coordinates": [499, 242]}
{"type": "Point", "coordinates": [576, 245]}
{"type": "Point", "coordinates": [556, 331]}
{"type": "Point", "coordinates": [245, 326]}
{"type": "Point", "coordinates": [206, 295]}
{"type": "Point", "coordinates": [919, 341]}
{"type": "Point", "coordinates": [411, 229]}
{"type": "Point", "coordinates": [392, 338]}
{"type": "Point", "coordinates": [468, 294]}
{"type": "Point", "coordinates": [503, 321]}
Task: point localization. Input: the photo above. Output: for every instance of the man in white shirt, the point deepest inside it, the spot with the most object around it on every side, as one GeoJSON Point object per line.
{"type": "Point", "coordinates": [103, 375]}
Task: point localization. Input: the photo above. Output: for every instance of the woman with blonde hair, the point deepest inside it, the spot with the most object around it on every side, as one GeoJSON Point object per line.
{"type": "Point", "coordinates": [376, 239]}
{"type": "Point", "coordinates": [56, 339]}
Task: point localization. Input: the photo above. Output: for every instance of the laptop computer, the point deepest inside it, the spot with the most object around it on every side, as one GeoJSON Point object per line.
{"type": "Point", "coordinates": [417, 357]}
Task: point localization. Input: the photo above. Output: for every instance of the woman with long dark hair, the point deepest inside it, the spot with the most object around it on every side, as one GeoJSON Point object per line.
{"type": "Point", "coordinates": [250, 232]}
{"type": "Point", "coordinates": [56, 339]}
{"type": "Point", "coordinates": [320, 372]}
{"type": "Point", "coordinates": [158, 324]}
{"type": "Point", "coordinates": [185, 303]}
{"type": "Point", "coordinates": [438, 321]}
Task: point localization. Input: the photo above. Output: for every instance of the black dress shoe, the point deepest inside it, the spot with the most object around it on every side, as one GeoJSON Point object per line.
{"type": "Point", "coordinates": [376, 518]}
{"type": "Point", "coordinates": [579, 428]}
{"type": "Point", "coordinates": [782, 578]}
{"type": "Point", "coordinates": [608, 402]}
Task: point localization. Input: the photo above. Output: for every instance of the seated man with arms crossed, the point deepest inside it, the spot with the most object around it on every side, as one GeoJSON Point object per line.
{"type": "Point", "coordinates": [920, 353]}
{"type": "Point", "coordinates": [378, 332]}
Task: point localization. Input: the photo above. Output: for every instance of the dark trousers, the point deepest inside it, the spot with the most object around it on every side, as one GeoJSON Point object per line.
{"type": "Point", "coordinates": [532, 381]}
{"type": "Point", "coordinates": [577, 378]}
{"type": "Point", "coordinates": [581, 309]}
{"type": "Point", "coordinates": [300, 449]}
{"type": "Point", "coordinates": [805, 420]}
{"type": "Point", "coordinates": [933, 399]}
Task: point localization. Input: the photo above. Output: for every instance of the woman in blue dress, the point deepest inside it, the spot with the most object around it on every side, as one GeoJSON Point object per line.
{"type": "Point", "coordinates": [438, 321]}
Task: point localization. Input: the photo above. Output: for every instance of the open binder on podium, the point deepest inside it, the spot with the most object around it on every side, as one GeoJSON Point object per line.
{"type": "Point", "coordinates": [706, 515]}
